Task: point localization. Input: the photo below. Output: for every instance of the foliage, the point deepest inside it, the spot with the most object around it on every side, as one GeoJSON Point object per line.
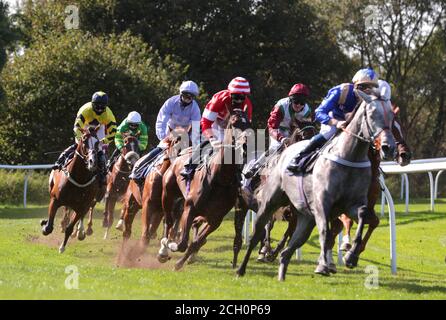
{"type": "Point", "coordinates": [47, 85]}
{"type": "Point", "coordinates": [12, 184]}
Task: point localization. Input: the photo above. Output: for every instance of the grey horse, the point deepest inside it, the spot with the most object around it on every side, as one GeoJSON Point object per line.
{"type": "Point", "coordinates": [338, 183]}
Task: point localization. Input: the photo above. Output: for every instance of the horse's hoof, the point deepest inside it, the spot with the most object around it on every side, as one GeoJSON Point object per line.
{"type": "Point", "coordinates": [62, 249]}
{"type": "Point", "coordinates": [89, 232]}
{"type": "Point", "coordinates": [120, 225]}
{"type": "Point", "coordinates": [261, 258]}
{"type": "Point", "coordinates": [282, 272]}
{"type": "Point", "coordinates": [43, 222]}
{"type": "Point", "coordinates": [240, 272]}
{"type": "Point", "coordinates": [46, 230]}
{"type": "Point", "coordinates": [81, 236]}
{"type": "Point", "coordinates": [350, 260]}
{"type": "Point", "coordinates": [332, 268]}
{"type": "Point", "coordinates": [345, 246]}
{"type": "Point", "coordinates": [322, 270]}
{"type": "Point", "coordinates": [162, 258]}
{"type": "Point", "coordinates": [270, 258]}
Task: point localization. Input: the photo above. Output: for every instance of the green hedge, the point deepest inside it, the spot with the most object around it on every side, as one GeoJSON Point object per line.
{"type": "Point", "coordinates": [12, 182]}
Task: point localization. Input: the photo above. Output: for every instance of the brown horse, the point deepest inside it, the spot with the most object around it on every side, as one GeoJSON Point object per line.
{"type": "Point", "coordinates": [209, 196]}
{"type": "Point", "coordinates": [75, 185]}
{"type": "Point", "coordinates": [79, 233]}
{"type": "Point", "coordinates": [118, 179]}
{"type": "Point", "coordinates": [403, 158]}
{"type": "Point", "coordinates": [246, 201]}
{"type": "Point", "coordinates": [149, 198]}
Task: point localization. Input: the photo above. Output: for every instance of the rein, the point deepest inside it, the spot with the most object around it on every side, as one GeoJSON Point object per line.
{"type": "Point", "coordinates": [77, 184]}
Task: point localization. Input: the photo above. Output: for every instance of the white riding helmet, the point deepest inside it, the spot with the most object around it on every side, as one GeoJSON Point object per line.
{"type": "Point", "coordinates": [189, 87]}
{"type": "Point", "coordinates": [366, 76]}
{"type": "Point", "coordinates": [134, 117]}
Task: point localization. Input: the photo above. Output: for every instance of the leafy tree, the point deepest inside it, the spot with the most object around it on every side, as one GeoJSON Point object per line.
{"type": "Point", "coordinates": [47, 85]}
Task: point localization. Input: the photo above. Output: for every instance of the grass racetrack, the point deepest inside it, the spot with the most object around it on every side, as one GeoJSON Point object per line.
{"type": "Point", "coordinates": [32, 268]}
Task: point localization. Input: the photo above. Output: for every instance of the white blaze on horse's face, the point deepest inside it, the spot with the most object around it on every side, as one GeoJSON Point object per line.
{"type": "Point", "coordinates": [379, 122]}
{"type": "Point", "coordinates": [92, 155]}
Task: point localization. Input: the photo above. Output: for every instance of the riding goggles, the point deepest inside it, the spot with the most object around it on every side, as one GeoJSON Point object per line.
{"type": "Point", "coordinates": [238, 98]}
{"type": "Point", "coordinates": [298, 99]}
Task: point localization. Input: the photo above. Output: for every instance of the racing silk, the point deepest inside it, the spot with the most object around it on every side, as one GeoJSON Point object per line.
{"type": "Point", "coordinates": [172, 114]}
{"type": "Point", "coordinates": [140, 133]}
{"type": "Point", "coordinates": [283, 115]}
{"type": "Point", "coordinates": [86, 116]}
{"type": "Point", "coordinates": [217, 111]}
{"type": "Point", "coordinates": [339, 101]}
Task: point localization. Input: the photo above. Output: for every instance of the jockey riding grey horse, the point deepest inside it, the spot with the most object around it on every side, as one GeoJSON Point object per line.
{"type": "Point", "coordinates": [338, 183]}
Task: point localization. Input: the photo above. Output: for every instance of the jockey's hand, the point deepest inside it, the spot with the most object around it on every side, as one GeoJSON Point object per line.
{"type": "Point", "coordinates": [163, 145]}
{"type": "Point", "coordinates": [285, 140]}
{"type": "Point", "coordinates": [341, 124]}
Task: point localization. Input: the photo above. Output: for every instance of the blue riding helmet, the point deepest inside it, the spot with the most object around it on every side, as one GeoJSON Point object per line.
{"type": "Point", "coordinates": [99, 101]}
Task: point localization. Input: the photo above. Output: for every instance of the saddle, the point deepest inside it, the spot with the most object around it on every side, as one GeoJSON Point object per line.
{"type": "Point", "coordinates": [307, 162]}
{"type": "Point", "coordinates": [142, 172]}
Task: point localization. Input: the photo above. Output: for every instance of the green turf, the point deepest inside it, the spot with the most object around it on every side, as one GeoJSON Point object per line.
{"type": "Point", "coordinates": [32, 268]}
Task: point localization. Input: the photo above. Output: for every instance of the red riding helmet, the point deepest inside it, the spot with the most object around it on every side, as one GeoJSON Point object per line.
{"type": "Point", "coordinates": [299, 89]}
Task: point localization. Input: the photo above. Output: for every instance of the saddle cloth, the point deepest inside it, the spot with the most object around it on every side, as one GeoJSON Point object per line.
{"type": "Point", "coordinates": [142, 172]}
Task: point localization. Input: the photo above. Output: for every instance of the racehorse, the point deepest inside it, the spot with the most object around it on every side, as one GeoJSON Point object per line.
{"type": "Point", "coordinates": [246, 200]}
{"type": "Point", "coordinates": [211, 193]}
{"type": "Point", "coordinates": [118, 178]}
{"type": "Point", "coordinates": [149, 199]}
{"type": "Point", "coordinates": [337, 183]}
{"type": "Point", "coordinates": [75, 186]}
{"type": "Point", "coordinates": [403, 158]}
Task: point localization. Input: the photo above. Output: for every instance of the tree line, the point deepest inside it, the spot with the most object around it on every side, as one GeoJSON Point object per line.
{"type": "Point", "coordinates": [139, 52]}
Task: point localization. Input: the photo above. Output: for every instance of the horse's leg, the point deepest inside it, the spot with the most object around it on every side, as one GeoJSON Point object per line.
{"type": "Point", "coordinates": [90, 221]}
{"type": "Point", "coordinates": [305, 225]}
{"type": "Point", "coordinates": [65, 219]}
{"type": "Point", "coordinates": [352, 256]}
{"type": "Point", "coordinates": [372, 197]}
{"type": "Point", "coordinates": [187, 219]}
{"type": "Point", "coordinates": [336, 228]}
{"type": "Point", "coordinates": [348, 224]}
{"type": "Point", "coordinates": [239, 219]}
{"type": "Point", "coordinates": [322, 212]}
{"type": "Point", "coordinates": [69, 231]}
{"type": "Point", "coordinates": [373, 222]}
{"type": "Point", "coordinates": [47, 225]}
{"type": "Point", "coordinates": [267, 207]}
{"type": "Point", "coordinates": [110, 202]}
{"type": "Point", "coordinates": [80, 230]}
{"type": "Point", "coordinates": [265, 249]}
{"type": "Point", "coordinates": [196, 244]}
{"type": "Point", "coordinates": [292, 223]}
{"type": "Point", "coordinates": [129, 216]}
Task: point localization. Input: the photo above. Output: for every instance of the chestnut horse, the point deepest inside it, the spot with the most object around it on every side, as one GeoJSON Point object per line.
{"type": "Point", "coordinates": [149, 198]}
{"type": "Point", "coordinates": [246, 201]}
{"type": "Point", "coordinates": [118, 178]}
{"type": "Point", "coordinates": [75, 186]}
{"type": "Point", "coordinates": [209, 196]}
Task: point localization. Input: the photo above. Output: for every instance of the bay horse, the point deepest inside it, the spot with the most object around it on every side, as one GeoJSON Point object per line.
{"type": "Point", "coordinates": [118, 179]}
{"type": "Point", "coordinates": [246, 200]}
{"type": "Point", "coordinates": [148, 198]}
{"type": "Point", "coordinates": [338, 183]}
{"type": "Point", "coordinates": [403, 158]}
{"type": "Point", "coordinates": [76, 185]}
{"type": "Point", "coordinates": [209, 196]}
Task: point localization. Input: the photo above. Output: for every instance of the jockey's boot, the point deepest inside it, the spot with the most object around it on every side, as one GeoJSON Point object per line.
{"type": "Point", "coordinates": [63, 157]}
{"type": "Point", "coordinates": [189, 168]}
{"type": "Point", "coordinates": [147, 158]}
{"type": "Point", "coordinates": [316, 142]}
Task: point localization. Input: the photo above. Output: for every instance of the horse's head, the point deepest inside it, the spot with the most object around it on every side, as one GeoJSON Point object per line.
{"type": "Point", "coordinates": [303, 130]}
{"type": "Point", "coordinates": [130, 151]}
{"type": "Point", "coordinates": [378, 123]}
{"type": "Point", "coordinates": [238, 131]}
{"type": "Point", "coordinates": [89, 147]}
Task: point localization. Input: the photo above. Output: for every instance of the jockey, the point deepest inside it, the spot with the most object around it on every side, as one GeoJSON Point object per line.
{"type": "Point", "coordinates": [340, 100]}
{"type": "Point", "coordinates": [284, 113]}
{"type": "Point", "coordinates": [181, 110]}
{"type": "Point", "coordinates": [93, 113]}
{"type": "Point", "coordinates": [216, 114]}
{"type": "Point", "coordinates": [134, 126]}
